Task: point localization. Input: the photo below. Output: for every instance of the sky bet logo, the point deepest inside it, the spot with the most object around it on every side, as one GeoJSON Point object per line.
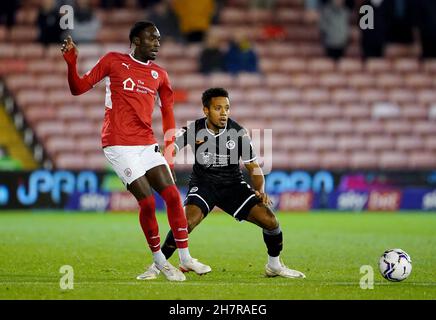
{"type": "Point", "coordinates": [56, 183]}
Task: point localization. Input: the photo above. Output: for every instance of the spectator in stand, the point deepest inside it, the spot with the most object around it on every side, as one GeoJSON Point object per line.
{"type": "Point", "coordinates": [148, 3]}
{"type": "Point", "coordinates": [400, 21]}
{"type": "Point", "coordinates": [240, 56]}
{"type": "Point", "coordinates": [195, 17]}
{"type": "Point", "coordinates": [109, 4]}
{"type": "Point", "coordinates": [86, 23]}
{"type": "Point", "coordinates": [48, 23]}
{"type": "Point", "coordinates": [335, 28]}
{"type": "Point", "coordinates": [373, 41]}
{"type": "Point", "coordinates": [8, 9]}
{"type": "Point", "coordinates": [166, 20]}
{"type": "Point", "coordinates": [211, 57]}
{"type": "Point", "coordinates": [263, 4]}
{"type": "Point", "coordinates": [425, 16]}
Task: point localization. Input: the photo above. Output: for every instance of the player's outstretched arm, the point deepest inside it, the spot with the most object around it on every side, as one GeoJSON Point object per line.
{"type": "Point", "coordinates": [258, 181]}
{"type": "Point", "coordinates": [70, 53]}
{"type": "Point", "coordinates": [79, 85]}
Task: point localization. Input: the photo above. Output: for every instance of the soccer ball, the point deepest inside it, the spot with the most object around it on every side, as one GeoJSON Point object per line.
{"type": "Point", "coordinates": [395, 265]}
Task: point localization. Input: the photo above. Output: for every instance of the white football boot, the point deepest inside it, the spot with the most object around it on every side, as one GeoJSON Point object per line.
{"type": "Point", "coordinates": [171, 272]}
{"type": "Point", "coordinates": [151, 273]}
{"type": "Point", "coordinates": [196, 266]}
{"type": "Point", "coordinates": [283, 271]}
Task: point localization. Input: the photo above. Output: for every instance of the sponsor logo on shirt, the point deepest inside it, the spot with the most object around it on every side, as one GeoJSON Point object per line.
{"type": "Point", "coordinates": [129, 84]}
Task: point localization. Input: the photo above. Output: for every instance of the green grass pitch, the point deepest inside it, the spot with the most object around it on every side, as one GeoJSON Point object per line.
{"type": "Point", "coordinates": [107, 251]}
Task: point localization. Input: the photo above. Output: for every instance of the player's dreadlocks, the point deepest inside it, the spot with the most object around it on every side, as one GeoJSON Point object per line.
{"type": "Point", "coordinates": [138, 27]}
{"type": "Point", "coordinates": [213, 93]}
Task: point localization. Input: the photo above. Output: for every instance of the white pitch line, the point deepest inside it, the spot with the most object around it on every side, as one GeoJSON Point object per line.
{"type": "Point", "coordinates": [290, 282]}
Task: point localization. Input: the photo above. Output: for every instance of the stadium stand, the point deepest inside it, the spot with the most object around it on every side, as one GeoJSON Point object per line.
{"type": "Point", "coordinates": [350, 114]}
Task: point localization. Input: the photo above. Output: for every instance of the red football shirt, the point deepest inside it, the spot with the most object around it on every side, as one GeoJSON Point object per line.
{"type": "Point", "coordinates": [132, 88]}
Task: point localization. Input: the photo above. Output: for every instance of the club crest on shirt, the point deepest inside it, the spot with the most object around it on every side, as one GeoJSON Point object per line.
{"type": "Point", "coordinates": [154, 74]}
{"type": "Point", "coordinates": [230, 144]}
{"type": "Point", "coordinates": [128, 172]}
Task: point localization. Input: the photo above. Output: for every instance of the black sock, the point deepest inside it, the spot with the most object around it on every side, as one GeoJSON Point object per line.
{"type": "Point", "coordinates": [274, 241]}
{"type": "Point", "coordinates": [169, 245]}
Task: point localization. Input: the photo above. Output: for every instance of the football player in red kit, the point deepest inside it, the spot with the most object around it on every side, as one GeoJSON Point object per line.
{"type": "Point", "coordinates": [133, 84]}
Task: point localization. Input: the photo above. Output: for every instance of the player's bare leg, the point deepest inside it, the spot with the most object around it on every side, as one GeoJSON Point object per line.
{"type": "Point", "coordinates": [263, 217]}
{"type": "Point", "coordinates": [161, 180]}
{"type": "Point", "coordinates": [141, 190]}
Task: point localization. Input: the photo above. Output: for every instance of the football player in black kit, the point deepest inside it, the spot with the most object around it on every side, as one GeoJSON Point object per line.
{"type": "Point", "coordinates": [219, 143]}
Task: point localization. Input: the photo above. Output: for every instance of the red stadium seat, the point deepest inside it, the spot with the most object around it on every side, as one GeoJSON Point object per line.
{"type": "Point", "coordinates": [393, 160]}
{"type": "Point", "coordinates": [339, 126]}
{"type": "Point", "coordinates": [72, 161]}
{"type": "Point", "coordinates": [293, 65]}
{"type": "Point", "coordinates": [397, 127]}
{"type": "Point", "coordinates": [95, 161]}
{"type": "Point", "coordinates": [371, 96]}
{"type": "Point", "coordinates": [406, 65]}
{"type": "Point", "coordinates": [327, 111]}
{"type": "Point", "coordinates": [249, 80]}
{"type": "Point", "coordinates": [350, 65]}
{"type": "Point", "coordinates": [286, 96]}
{"type": "Point", "coordinates": [402, 96]}
{"type": "Point", "coordinates": [361, 80]}
{"type": "Point", "coordinates": [322, 142]}
{"type": "Point", "coordinates": [332, 80]}
{"type": "Point", "coordinates": [413, 111]}
{"type": "Point", "coordinates": [334, 160]}
{"type": "Point", "coordinates": [304, 160]}
{"type": "Point", "coordinates": [221, 80]}
{"type": "Point", "coordinates": [303, 81]}
{"type": "Point", "coordinates": [422, 160]}
{"type": "Point", "coordinates": [408, 143]}
{"type": "Point", "coordinates": [418, 81]}
{"type": "Point", "coordinates": [311, 127]}
{"type": "Point", "coordinates": [424, 127]}
{"type": "Point", "coordinates": [378, 65]}
{"type": "Point", "coordinates": [377, 142]}
{"type": "Point", "coordinates": [277, 80]}
{"type": "Point", "coordinates": [368, 127]}
{"type": "Point", "coordinates": [356, 111]}
{"type": "Point", "coordinates": [363, 160]}
{"type": "Point", "coordinates": [388, 81]}
{"type": "Point", "coordinates": [57, 144]}
{"type": "Point", "coordinates": [320, 65]}
{"type": "Point", "coordinates": [290, 142]}
{"type": "Point", "coordinates": [345, 96]}
{"type": "Point", "coordinates": [351, 142]}
{"type": "Point", "coordinates": [298, 112]}
{"type": "Point", "coordinates": [315, 96]}
{"type": "Point", "coordinates": [430, 142]}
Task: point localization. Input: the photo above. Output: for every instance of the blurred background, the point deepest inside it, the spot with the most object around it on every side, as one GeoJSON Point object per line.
{"type": "Point", "coordinates": [352, 111]}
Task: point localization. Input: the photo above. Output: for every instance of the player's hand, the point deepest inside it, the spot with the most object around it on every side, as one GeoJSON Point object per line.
{"type": "Point", "coordinates": [68, 45]}
{"type": "Point", "coordinates": [264, 198]}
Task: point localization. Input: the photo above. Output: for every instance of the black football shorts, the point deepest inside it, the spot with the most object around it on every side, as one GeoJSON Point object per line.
{"type": "Point", "coordinates": [236, 199]}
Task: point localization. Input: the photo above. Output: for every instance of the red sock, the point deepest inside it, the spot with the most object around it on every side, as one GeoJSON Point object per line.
{"type": "Point", "coordinates": [176, 216]}
{"type": "Point", "coordinates": [147, 219]}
